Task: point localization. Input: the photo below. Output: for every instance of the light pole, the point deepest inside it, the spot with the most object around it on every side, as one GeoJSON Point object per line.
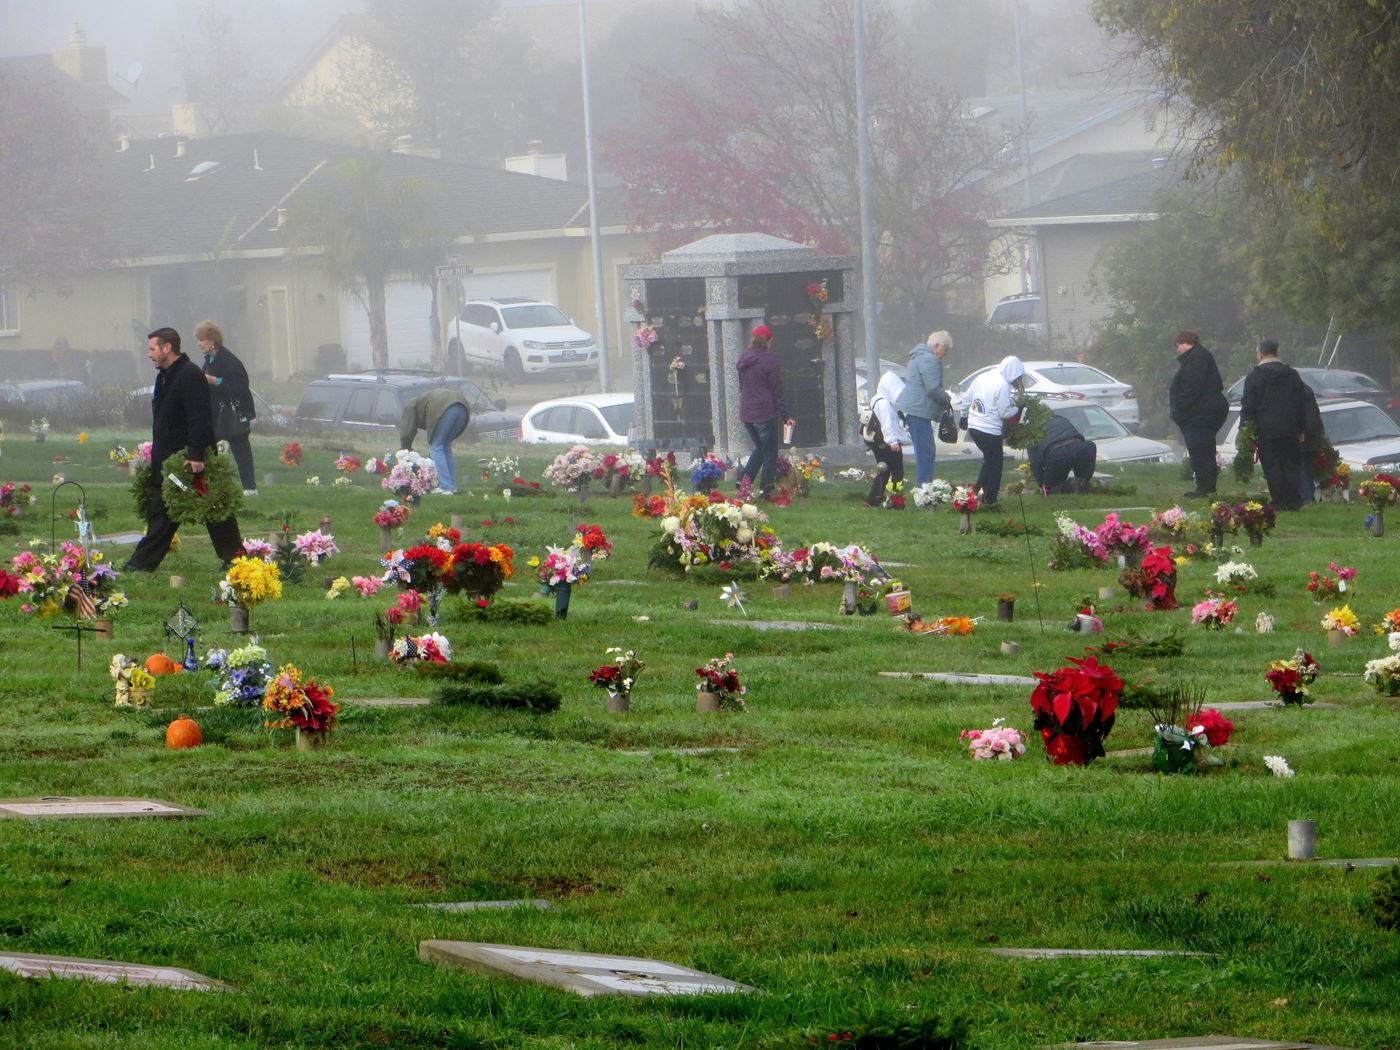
{"type": "Point", "coordinates": [604, 379]}
{"type": "Point", "coordinates": [867, 221]}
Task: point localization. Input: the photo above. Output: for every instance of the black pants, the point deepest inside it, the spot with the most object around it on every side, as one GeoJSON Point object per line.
{"type": "Point", "coordinates": [1282, 460]}
{"type": "Point", "coordinates": [1080, 456]}
{"type": "Point", "coordinates": [160, 532]}
{"type": "Point", "coordinates": [890, 463]}
{"type": "Point", "coordinates": [1200, 449]}
{"type": "Point", "coordinates": [762, 466]}
{"type": "Point", "coordinates": [989, 477]}
{"type": "Point", "coordinates": [242, 452]}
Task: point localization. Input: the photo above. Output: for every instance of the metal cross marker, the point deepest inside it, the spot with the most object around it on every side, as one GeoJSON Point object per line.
{"type": "Point", "coordinates": [181, 625]}
{"type": "Point", "coordinates": [77, 629]}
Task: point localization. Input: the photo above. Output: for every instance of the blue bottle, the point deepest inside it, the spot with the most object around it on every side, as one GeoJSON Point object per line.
{"type": "Point", "coordinates": [191, 662]}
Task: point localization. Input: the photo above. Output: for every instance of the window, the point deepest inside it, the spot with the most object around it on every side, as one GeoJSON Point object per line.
{"type": "Point", "coordinates": [481, 316]}
{"type": "Point", "coordinates": [551, 419]}
{"type": "Point", "coordinates": [321, 401]}
{"type": "Point", "coordinates": [9, 308]}
{"type": "Point", "coordinates": [589, 425]}
{"type": "Point", "coordinates": [361, 406]}
{"type": "Point", "coordinates": [538, 316]}
{"type": "Point", "coordinates": [1022, 311]}
{"type": "Point", "coordinates": [1362, 423]}
{"type": "Point", "coordinates": [389, 410]}
{"type": "Point", "coordinates": [619, 417]}
{"type": "Point", "coordinates": [1075, 375]}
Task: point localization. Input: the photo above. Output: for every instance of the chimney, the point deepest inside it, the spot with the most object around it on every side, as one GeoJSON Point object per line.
{"type": "Point", "coordinates": [181, 145]}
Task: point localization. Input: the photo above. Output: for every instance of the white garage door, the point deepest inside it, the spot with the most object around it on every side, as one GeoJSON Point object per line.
{"type": "Point", "coordinates": [407, 308]}
{"type": "Point", "coordinates": [527, 284]}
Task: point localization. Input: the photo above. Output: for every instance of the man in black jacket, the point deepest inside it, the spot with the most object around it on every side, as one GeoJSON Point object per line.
{"type": "Point", "coordinates": [181, 417]}
{"type": "Point", "coordinates": [1276, 403]}
{"type": "Point", "coordinates": [1062, 450]}
{"type": "Point", "coordinates": [1197, 405]}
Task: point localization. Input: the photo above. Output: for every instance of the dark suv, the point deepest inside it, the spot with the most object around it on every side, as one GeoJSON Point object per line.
{"type": "Point", "coordinates": [371, 404]}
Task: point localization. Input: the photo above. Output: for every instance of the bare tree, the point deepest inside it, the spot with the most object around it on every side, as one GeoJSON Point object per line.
{"type": "Point", "coordinates": [218, 72]}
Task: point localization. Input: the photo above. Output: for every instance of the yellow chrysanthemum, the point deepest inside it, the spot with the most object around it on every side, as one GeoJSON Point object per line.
{"type": "Point", "coordinates": [254, 581]}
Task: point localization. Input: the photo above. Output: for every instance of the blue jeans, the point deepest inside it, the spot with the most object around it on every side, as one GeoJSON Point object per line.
{"type": "Point", "coordinates": [762, 467]}
{"type": "Point", "coordinates": [449, 427]}
{"type": "Point", "coordinates": [925, 451]}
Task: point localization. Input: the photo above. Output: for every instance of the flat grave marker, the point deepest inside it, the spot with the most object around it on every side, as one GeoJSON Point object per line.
{"type": "Point", "coordinates": [1264, 705]}
{"type": "Point", "coordinates": [23, 964]}
{"type": "Point", "coordinates": [960, 677]}
{"type": "Point", "coordinates": [1195, 1042]}
{"type": "Point", "coordinates": [536, 903]}
{"type": "Point", "coordinates": [1318, 862]}
{"type": "Point", "coordinates": [685, 752]}
{"type": "Point", "coordinates": [386, 701]}
{"type": "Point", "coordinates": [779, 625]}
{"type": "Point", "coordinates": [1083, 953]}
{"type": "Point", "coordinates": [64, 807]}
{"type": "Point", "coordinates": [584, 973]}
{"type": "Point", "coordinates": [122, 539]}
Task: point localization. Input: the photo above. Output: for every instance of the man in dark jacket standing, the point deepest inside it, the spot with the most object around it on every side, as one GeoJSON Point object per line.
{"type": "Point", "coordinates": [181, 418]}
{"type": "Point", "coordinates": [762, 408]}
{"type": "Point", "coordinates": [1062, 450]}
{"type": "Point", "coordinates": [1276, 403]}
{"type": "Point", "coordinates": [1197, 405]}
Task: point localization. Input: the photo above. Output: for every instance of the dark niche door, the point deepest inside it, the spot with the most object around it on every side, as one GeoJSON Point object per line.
{"type": "Point", "coordinates": [680, 395]}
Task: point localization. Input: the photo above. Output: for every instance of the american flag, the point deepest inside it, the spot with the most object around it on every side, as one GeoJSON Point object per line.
{"type": "Point", "coordinates": [82, 602]}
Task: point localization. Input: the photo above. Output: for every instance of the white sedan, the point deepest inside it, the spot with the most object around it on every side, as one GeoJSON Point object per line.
{"type": "Point", "coordinates": [1365, 437]}
{"type": "Point", "coordinates": [1077, 382]}
{"type": "Point", "coordinates": [1115, 443]}
{"type": "Point", "coordinates": [589, 419]}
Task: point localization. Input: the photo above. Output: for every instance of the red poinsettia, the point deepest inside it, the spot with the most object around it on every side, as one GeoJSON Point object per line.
{"type": "Point", "coordinates": [1078, 702]}
{"type": "Point", "coordinates": [1217, 727]}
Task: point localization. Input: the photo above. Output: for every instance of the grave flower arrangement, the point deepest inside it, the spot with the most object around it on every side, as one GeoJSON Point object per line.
{"type": "Point", "coordinates": [1122, 537]}
{"type": "Point", "coordinates": [1384, 674]}
{"type": "Point", "coordinates": [410, 476]}
{"type": "Point", "coordinates": [347, 463]}
{"type": "Point", "coordinates": [291, 454]}
{"type": "Point", "coordinates": [243, 675]}
{"type": "Point", "coordinates": [1290, 678]}
{"type": "Point", "coordinates": [391, 514]}
{"type": "Point", "coordinates": [314, 546]}
{"type": "Point", "coordinates": [501, 470]}
{"type": "Point", "coordinates": [1378, 493]}
{"type": "Point", "coordinates": [1003, 743]}
{"type": "Point", "coordinates": [1215, 611]}
{"type": "Point", "coordinates": [1389, 623]}
{"type": "Point", "coordinates": [1328, 470]}
{"type": "Point", "coordinates": [1257, 520]}
{"type": "Point", "coordinates": [294, 701]}
{"type": "Point", "coordinates": [964, 499]}
{"type": "Point", "coordinates": [121, 456]}
{"type": "Point", "coordinates": [430, 648]}
{"type": "Point", "coordinates": [930, 494]}
{"type": "Point", "coordinates": [1074, 710]}
{"type": "Point", "coordinates": [1341, 619]}
{"type": "Point", "coordinates": [1154, 579]}
{"type": "Point", "coordinates": [422, 566]}
{"type": "Point", "coordinates": [1324, 586]}
{"type": "Point", "coordinates": [39, 428]}
{"type": "Point", "coordinates": [479, 569]}
{"type": "Point", "coordinates": [644, 338]}
{"type": "Point", "coordinates": [724, 534]}
{"type": "Point", "coordinates": [249, 582]}
{"type": "Point", "coordinates": [617, 470]}
{"type": "Point", "coordinates": [1222, 520]}
{"type": "Point", "coordinates": [1075, 546]}
{"type": "Point", "coordinates": [648, 506]}
{"type": "Point", "coordinates": [257, 549]}
{"type": "Point", "coordinates": [1237, 575]}
{"type": "Point", "coordinates": [953, 626]}
{"type": "Point", "coordinates": [564, 565]}
{"type": "Point", "coordinates": [849, 564]}
{"type": "Point", "coordinates": [817, 293]}
{"type": "Point", "coordinates": [894, 495]}
{"type": "Point", "coordinates": [708, 473]}
{"type": "Point", "coordinates": [619, 676]}
{"type": "Point", "coordinates": [16, 499]}
{"type": "Point", "coordinates": [1175, 522]}
{"type": "Point", "coordinates": [572, 469]}
{"type": "Point", "coordinates": [720, 677]}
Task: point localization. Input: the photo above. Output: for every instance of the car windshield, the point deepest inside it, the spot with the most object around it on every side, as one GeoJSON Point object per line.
{"type": "Point", "coordinates": [1073, 375]}
{"type": "Point", "coordinates": [539, 315]}
{"type": "Point", "coordinates": [475, 396]}
{"type": "Point", "coordinates": [1360, 423]}
{"type": "Point", "coordinates": [1092, 421]}
{"type": "Point", "coordinates": [619, 417]}
{"type": "Point", "coordinates": [1331, 382]}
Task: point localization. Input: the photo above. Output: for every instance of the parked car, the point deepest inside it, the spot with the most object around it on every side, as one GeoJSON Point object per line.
{"type": "Point", "coordinates": [1018, 313]}
{"type": "Point", "coordinates": [862, 387]}
{"type": "Point", "coordinates": [43, 396]}
{"type": "Point", "coordinates": [1365, 437]}
{"type": "Point", "coordinates": [138, 410]}
{"type": "Point", "coordinates": [1116, 443]}
{"type": "Point", "coordinates": [1338, 382]}
{"type": "Point", "coordinates": [519, 336]}
{"type": "Point", "coordinates": [370, 404]}
{"type": "Point", "coordinates": [589, 419]}
{"type": "Point", "coordinates": [1078, 382]}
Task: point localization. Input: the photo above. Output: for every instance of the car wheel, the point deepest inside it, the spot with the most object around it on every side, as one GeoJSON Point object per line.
{"type": "Point", "coordinates": [515, 371]}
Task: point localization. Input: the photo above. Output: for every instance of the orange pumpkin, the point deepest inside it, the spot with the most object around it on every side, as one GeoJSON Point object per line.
{"type": "Point", "coordinates": [183, 732]}
{"type": "Point", "coordinates": [159, 664]}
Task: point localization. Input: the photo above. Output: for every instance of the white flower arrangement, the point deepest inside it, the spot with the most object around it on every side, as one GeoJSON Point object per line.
{"type": "Point", "coordinates": [1278, 765]}
{"type": "Point", "coordinates": [933, 493]}
{"type": "Point", "coordinates": [1235, 574]}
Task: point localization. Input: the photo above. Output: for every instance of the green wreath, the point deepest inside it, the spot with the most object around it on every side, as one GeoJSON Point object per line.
{"type": "Point", "coordinates": [1246, 450]}
{"type": "Point", "coordinates": [185, 505]}
{"type": "Point", "coordinates": [1029, 431]}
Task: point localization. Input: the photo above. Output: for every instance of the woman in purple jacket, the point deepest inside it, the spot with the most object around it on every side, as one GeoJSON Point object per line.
{"type": "Point", "coordinates": [762, 409]}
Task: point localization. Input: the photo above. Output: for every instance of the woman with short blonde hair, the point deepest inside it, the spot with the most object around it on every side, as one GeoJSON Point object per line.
{"type": "Point", "coordinates": [230, 398]}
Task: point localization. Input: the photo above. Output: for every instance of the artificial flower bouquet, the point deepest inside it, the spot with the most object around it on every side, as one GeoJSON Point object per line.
{"type": "Point", "coordinates": [590, 539]}
{"type": "Point", "coordinates": [347, 463]}
{"type": "Point", "coordinates": [952, 626]}
{"type": "Point", "coordinates": [294, 701]}
{"type": "Point", "coordinates": [1389, 624]}
{"type": "Point", "coordinates": [315, 545]}
{"type": "Point", "coordinates": [617, 470]}
{"type": "Point", "coordinates": [1236, 575]}
{"type": "Point", "coordinates": [1075, 545]}
{"type": "Point", "coordinates": [1000, 742]}
{"type": "Point", "coordinates": [428, 648]}
{"type": "Point", "coordinates": [1215, 611]}
{"type": "Point", "coordinates": [894, 495]}
{"type": "Point", "coordinates": [932, 493]}
{"type": "Point", "coordinates": [644, 338]}
{"type": "Point", "coordinates": [1074, 710]}
{"type": "Point", "coordinates": [420, 567]}
{"type": "Point", "coordinates": [707, 473]}
{"type": "Point", "coordinates": [1154, 579]}
{"type": "Point", "coordinates": [1183, 729]}
{"type": "Point", "coordinates": [479, 570]}
{"type": "Point", "coordinates": [722, 533]}
{"type": "Point", "coordinates": [249, 582]}
{"type": "Point", "coordinates": [1222, 520]}
{"type": "Point", "coordinates": [391, 514]}
{"type": "Point", "coordinates": [133, 682]}
{"type": "Point", "coordinates": [1290, 678]}
{"type": "Point", "coordinates": [1384, 674]}
{"type": "Point", "coordinates": [1122, 538]}
{"type": "Point", "coordinates": [16, 499]}
{"type": "Point", "coordinates": [410, 476]}
{"type": "Point", "coordinates": [1341, 619]}
{"type": "Point", "coordinates": [817, 293]}
{"type": "Point", "coordinates": [718, 676]}
{"type": "Point", "coordinates": [572, 469]}
{"type": "Point", "coordinates": [242, 675]}
{"type": "Point", "coordinates": [564, 565]}
{"type": "Point", "coordinates": [849, 564]}
{"type": "Point", "coordinates": [291, 454]}
{"type": "Point", "coordinates": [1257, 519]}
{"type": "Point", "coordinates": [1324, 586]}
{"type": "Point", "coordinates": [501, 471]}
{"type": "Point", "coordinates": [619, 676]}
{"type": "Point", "coordinates": [649, 506]}
{"type": "Point", "coordinates": [1175, 522]}
{"type": "Point", "coordinates": [1377, 492]}
{"type": "Point", "coordinates": [964, 499]}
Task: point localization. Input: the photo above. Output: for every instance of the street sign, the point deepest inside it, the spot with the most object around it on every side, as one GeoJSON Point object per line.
{"type": "Point", "coordinates": [455, 270]}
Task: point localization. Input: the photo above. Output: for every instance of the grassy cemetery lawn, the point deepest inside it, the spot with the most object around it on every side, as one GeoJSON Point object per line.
{"type": "Point", "coordinates": [835, 846]}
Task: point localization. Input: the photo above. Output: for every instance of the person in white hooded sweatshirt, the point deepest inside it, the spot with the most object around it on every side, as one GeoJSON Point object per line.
{"type": "Point", "coordinates": [886, 437]}
{"type": "Point", "coordinates": [987, 405]}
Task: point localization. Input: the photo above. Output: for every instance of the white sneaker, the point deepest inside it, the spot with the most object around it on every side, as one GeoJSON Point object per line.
{"type": "Point", "coordinates": [250, 492]}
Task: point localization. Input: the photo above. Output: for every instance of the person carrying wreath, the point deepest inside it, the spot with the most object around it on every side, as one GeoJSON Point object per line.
{"type": "Point", "coordinates": [233, 400]}
{"type": "Point", "coordinates": [988, 407]}
{"type": "Point", "coordinates": [181, 418]}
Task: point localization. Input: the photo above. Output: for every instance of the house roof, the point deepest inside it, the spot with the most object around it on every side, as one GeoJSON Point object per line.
{"type": "Point", "coordinates": [222, 195]}
{"type": "Point", "coordinates": [1054, 116]}
{"type": "Point", "coordinates": [98, 94]}
{"type": "Point", "coordinates": [1128, 198]}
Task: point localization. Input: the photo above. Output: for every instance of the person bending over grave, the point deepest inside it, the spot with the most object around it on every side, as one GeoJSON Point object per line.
{"type": "Point", "coordinates": [885, 436]}
{"type": "Point", "coordinates": [443, 415]}
{"type": "Point", "coordinates": [181, 417]}
{"type": "Point", "coordinates": [1063, 450]}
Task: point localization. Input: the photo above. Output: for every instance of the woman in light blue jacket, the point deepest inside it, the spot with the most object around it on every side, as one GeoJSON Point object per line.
{"type": "Point", "coordinates": [924, 400]}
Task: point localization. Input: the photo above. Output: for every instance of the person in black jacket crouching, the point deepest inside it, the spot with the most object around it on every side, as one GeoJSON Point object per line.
{"type": "Point", "coordinates": [1196, 403]}
{"type": "Point", "coordinates": [1279, 404]}
{"type": "Point", "coordinates": [1063, 450]}
{"type": "Point", "coordinates": [181, 417]}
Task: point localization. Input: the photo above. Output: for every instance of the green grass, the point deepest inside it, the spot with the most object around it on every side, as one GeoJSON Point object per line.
{"type": "Point", "coordinates": [849, 860]}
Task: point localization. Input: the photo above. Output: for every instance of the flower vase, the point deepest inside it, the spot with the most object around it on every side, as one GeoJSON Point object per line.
{"type": "Point", "coordinates": [583, 494]}
{"type": "Point", "coordinates": [1168, 754]}
{"type": "Point", "coordinates": [1256, 539]}
{"type": "Point", "coordinates": [618, 703]}
{"type": "Point", "coordinates": [706, 702]}
{"type": "Point", "coordinates": [238, 619]}
{"type": "Point", "coordinates": [41, 438]}
{"type": "Point", "coordinates": [1378, 523]}
{"type": "Point", "coordinates": [561, 600]}
{"type": "Point", "coordinates": [782, 591]}
{"type": "Point", "coordinates": [964, 522]}
{"type": "Point", "coordinates": [1064, 750]}
{"type": "Point", "coordinates": [123, 467]}
{"type": "Point", "coordinates": [386, 539]}
{"type": "Point", "coordinates": [1217, 536]}
{"type": "Point", "coordinates": [102, 629]}
{"type": "Point", "coordinates": [312, 739]}
{"type": "Point", "coordinates": [1006, 609]}
{"type": "Point", "coordinates": [646, 485]}
{"type": "Point", "coordinates": [1336, 637]}
{"type": "Point", "coordinates": [848, 598]}
{"type": "Point", "coordinates": [615, 481]}
{"type": "Point", "coordinates": [381, 648]}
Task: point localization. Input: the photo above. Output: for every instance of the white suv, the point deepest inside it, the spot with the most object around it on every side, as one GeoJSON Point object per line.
{"type": "Point", "coordinates": [518, 336]}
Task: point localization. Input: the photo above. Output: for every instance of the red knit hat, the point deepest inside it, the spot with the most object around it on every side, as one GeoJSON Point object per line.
{"type": "Point", "coordinates": [763, 333]}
